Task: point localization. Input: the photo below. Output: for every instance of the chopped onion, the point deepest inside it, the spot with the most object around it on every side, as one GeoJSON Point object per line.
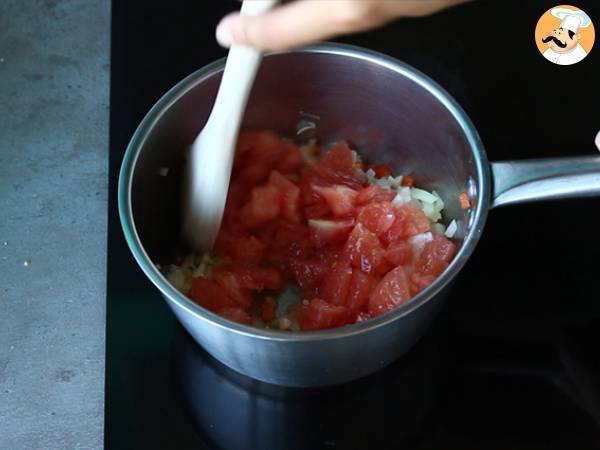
{"type": "Point", "coordinates": [452, 229]}
{"type": "Point", "coordinates": [438, 228]}
{"type": "Point", "coordinates": [286, 300]}
{"type": "Point", "coordinates": [431, 203]}
{"type": "Point", "coordinates": [385, 182]}
{"type": "Point", "coordinates": [428, 209]}
{"type": "Point", "coordinates": [177, 278]}
{"type": "Point", "coordinates": [402, 197]}
{"type": "Point", "coordinates": [187, 263]}
{"type": "Point", "coordinates": [310, 152]}
{"type": "Point", "coordinates": [360, 175]}
{"type": "Point", "coordinates": [371, 176]}
{"type": "Point", "coordinates": [422, 195]}
{"type": "Point", "coordinates": [389, 182]}
{"type": "Point", "coordinates": [397, 181]}
{"type": "Point", "coordinates": [201, 271]}
{"type": "Point", "coordinates": [205, 264]}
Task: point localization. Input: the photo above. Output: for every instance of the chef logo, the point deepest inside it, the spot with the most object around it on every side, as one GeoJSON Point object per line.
{"type": "Point", "coordinates": [565, 35]}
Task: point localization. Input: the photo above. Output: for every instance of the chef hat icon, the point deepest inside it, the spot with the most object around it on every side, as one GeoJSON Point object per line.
{"type": "Point", "coordinates": [572, 19]}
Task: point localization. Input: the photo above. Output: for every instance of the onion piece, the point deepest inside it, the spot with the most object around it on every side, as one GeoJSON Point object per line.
{"type": "Point", "coordinates": [438, 228]}
{"type": "Point", "coordinates": [402, 197]}
{"type": "Point", "coordinates": [423, 195]}
{"type": "Point", "coordinates": [310, 152]}
{"type": "Point", "coordinates": [451, 230]}
{"type": "Point", "coordinates": [288, 298]}
{"type": "Point", "coordinates": [177, 278]}
{"type": "Point", "coordinates": [205, 264]}
{"type": "Point", "coordinates": [431, 203]}
{"type": "Point", "coordinates": [371, 178]}
{"type": "Point", "coordinates": [385, 182]}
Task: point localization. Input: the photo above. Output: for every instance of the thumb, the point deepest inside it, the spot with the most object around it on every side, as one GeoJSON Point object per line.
{"type": "Point", "coordinates": [286, 26]}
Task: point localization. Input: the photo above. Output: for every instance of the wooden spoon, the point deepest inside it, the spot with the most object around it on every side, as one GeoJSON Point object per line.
{"type": "Point", "coordinates": [212, 153]}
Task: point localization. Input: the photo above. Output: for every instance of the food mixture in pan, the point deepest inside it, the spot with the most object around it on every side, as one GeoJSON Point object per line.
{"type": "Point", "coordinates": [313, 238]}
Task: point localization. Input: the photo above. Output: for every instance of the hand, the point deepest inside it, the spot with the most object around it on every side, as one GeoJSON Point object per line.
{"type": "Point", "coordinates": [304, 21]}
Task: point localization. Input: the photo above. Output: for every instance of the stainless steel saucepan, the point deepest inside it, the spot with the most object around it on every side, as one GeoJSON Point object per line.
{"type": "Point", "coordinates": [391, 113]}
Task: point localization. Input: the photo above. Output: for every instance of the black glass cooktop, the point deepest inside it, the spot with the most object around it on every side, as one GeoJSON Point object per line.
{"type": "Point", "coordinates": [512, 361]}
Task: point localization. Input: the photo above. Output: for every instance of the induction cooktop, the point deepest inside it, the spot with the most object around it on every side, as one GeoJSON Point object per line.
{"type": "Point", "coordinates": [511, 362]}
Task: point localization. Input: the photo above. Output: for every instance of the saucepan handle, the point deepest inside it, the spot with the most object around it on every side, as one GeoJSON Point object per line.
{"type": "Point", "coordinates": [544, 179]}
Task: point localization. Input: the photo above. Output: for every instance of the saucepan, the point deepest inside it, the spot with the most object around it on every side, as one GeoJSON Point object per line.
{"type": "Point", "coordinates": [391, 113]}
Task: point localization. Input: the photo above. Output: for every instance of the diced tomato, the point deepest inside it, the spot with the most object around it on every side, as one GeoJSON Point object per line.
{"type": "Point", "coordinates": [409, 221]}
{"type": "Point", "coordinates": [330, 254]}
{"type": "Point", "coordinates": [420, 282]}
{"type": "Point", "coordinates": [324, 232]}
{"type": "Point", "coordinates": [263, 148]}
{"type": "Point", "coordinates": [363, 316]}
{"type": "Point", "coordinates": [257, 278]}
{"type": "Point", "coordinates": [267, 312]}
{"type": "Point", "coordinates": [399, 252]}
{"type": "Point", "coordinates": [334, 287]}
{"type": "Point", "coordinates": [265, 232]}
{"type": "Point", "coordinates": [249, 139]}
{"type": "Point", "coordinates": [288, 232]}
{"type": "Point", "coordinates": [396, 231]}
{"type": "Point", "coordinates": [377, 217]}
{"type": "Point", "coordinates": [279, 181]}
{"type": "Point", "coordinates": [231, 285]}
{"type": "Point", "coordinates": [263, 206]}
{"type": "Point", "coordinates": [392, 291]}
{"type": "Point", "coordinates": [435, 256]}
{"type": "Point", "coordinates": [250, 176]}
{"type": "Point", "coordinates": [291, 240]}
{"type": "Point", "coordinates": [382, 170]}
{"type": "Point", "coordinates": [339, 198]}
{"type": "Point", "coordinates": [318, 210]}
{"type": "Point", "coordinates": [374, 193]}
{"type": "Point", "coordinates": [247, 250]}
{"type": "Point", "coordinates": [416, 220]}
{"type": "Point", "coordinates": [366, 252]}
{"type": "Point", "coordinates": [236, 197]}
{"type": "Point", "coordinates": [361, 286]}
{"type": "Point", "coordinates": [465, 202]}
{"type": "Point", "coordinates": [225, 241]}
{"type": "Point", "coordinates": [308, 196]}
{"type": "Point", "coordinates": [236, 315]}
{"type": "Point", "coordinates": [339, 166]}
{"type": "Point", "coordinates": [319, 314]}
{"type": "Point", "coordinates": [408, 181]}
{"type": "Point", "coordinates": [313, 220]}
{"type": "Point", "coordinates": [291, 161]}
{"type": "Point", "coordinates": [309, 274]}
{"type": "Point", "coordinates": [210, 295]}
{"type": "Point", "coordinates": [290, 196]}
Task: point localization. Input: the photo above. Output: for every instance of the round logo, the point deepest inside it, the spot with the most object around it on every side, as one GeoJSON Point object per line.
{"type": "Point", "coordinates": [565, 35]}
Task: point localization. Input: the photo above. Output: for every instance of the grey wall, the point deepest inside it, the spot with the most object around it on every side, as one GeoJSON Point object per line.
{"type": "Point", "coordinates": [54, 81]}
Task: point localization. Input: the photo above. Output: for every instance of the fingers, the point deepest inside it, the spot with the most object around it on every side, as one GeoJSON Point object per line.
{"type": "Point", "coordinates": [417, 8]}
{"type": "Point", "coordinates": [297, 23]}
{"type": "Point", "coordinates": [304, 21]}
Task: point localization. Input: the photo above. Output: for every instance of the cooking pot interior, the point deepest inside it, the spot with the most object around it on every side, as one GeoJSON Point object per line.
{"type": "Point", "coordinates": [387, 112]}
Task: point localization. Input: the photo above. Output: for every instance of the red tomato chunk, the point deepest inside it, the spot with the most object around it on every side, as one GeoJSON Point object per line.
{"type": "Point", "coordinates": [294, 218]}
